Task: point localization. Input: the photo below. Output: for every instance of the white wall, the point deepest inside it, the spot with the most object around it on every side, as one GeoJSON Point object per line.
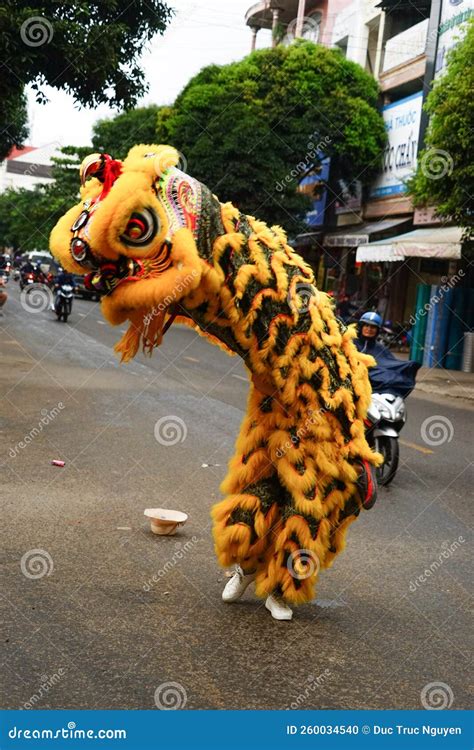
{"type": "Point", "coordinates": [31, 161]}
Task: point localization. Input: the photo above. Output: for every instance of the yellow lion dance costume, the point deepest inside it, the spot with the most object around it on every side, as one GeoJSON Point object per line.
{"type": "Point", "coordinates": [162, 246]}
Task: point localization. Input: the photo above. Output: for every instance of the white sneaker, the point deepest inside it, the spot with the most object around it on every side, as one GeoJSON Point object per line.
{"type": "Point", "coordinates": [236, 585]}
{"type": "Point", "coordinates": [278, 608]}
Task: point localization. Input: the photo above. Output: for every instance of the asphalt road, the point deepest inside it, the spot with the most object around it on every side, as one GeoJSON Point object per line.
{"type": "Point", "coordinates": [99, 613]}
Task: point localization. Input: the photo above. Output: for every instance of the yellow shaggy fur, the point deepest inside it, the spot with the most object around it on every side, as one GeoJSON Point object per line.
{"type": "Point", "coordinates": [291, 487]}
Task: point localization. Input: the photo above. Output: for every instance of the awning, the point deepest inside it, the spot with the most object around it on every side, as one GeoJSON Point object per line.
{"type": "Point", "coordinates": [433, 242]}
{"type": "Point", "coordinates": [361, 234]}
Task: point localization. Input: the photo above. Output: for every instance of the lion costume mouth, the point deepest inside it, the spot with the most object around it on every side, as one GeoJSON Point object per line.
{"type": "Point", "coordinates": [134, 237]}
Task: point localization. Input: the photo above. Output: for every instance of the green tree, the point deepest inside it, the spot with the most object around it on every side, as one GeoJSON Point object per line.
{"type": "Point", "coordinates": [445, 172]}
{"type": "Point", "coordinates": [117, 135]}
{"type": "Point", "coordinates": [90, 49]}
{"type": "Point", "coordinates": [252, 129]}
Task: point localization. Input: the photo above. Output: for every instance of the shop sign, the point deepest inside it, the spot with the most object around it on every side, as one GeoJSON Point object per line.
{"type": "Point", "coordinates": [402, 122]}
{"type": "Point", "coordinates": [345, 240]}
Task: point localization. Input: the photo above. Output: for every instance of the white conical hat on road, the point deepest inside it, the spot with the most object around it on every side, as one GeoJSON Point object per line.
{"type": "Point", "coordinates": [164, 521]}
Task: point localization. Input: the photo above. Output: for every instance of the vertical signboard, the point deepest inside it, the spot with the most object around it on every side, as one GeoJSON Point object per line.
{"type": "Point", "coordinates": [402, 122]}
{"type": "Point", "coordinates": [454, 15]}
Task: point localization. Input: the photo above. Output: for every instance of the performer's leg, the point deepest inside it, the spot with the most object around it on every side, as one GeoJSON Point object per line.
{"type": "Point", "coordinates": [245, 521]}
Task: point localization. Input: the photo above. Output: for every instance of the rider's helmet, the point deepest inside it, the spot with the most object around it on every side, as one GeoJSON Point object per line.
{"type": "Point", "coordinates": [371, 319]}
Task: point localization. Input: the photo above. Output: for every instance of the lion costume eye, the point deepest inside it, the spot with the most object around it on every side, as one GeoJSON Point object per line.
{"type": "Point", "coordinates": [81, 221]}
{"type": "Point", "coordinates": [141, 229]}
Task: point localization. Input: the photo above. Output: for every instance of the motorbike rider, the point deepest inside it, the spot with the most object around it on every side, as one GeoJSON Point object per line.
{"type": "Point", "coordinates": [390, 375]}
{"type": "Point", "coordinates": [370, 324]}
{"type": "Point", "coordinates": [27, 267]}
{"type": "Point", "coordinates": [63, 278]}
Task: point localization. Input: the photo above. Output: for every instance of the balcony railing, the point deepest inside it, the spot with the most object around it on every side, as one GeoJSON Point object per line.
{"type": "Point", "coordinates": [406, 46]}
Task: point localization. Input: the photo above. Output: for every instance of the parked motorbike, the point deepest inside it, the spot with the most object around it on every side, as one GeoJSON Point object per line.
{"type": "Point", "coordinates": [395, 336]}
{"type": "Point", "coordinates": [385, 418]}
{"type": "Point", "coordinates": [63, 301]}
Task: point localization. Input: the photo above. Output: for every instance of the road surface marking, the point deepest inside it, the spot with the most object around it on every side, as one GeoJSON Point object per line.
{"type": "Point", "coordinates": [416, 447]}
{"type": "Point", "coordinates": [101, 322]}
{"type": "Point", "coordinates": [191, 359]}
{"type": "Point", "coordinates": [124, 528]}
{"type": "Point", "coordinates": [240, 377]}
{"type": "Point", "coordinates": [81, 314]}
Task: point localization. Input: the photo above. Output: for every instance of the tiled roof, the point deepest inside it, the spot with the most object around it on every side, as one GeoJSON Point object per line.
{"type": "Point", "coordinates": [16, 152]}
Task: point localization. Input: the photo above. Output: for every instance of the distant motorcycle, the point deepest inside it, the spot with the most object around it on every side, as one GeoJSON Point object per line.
{"type": "Point", "coordinates": [63, 301]}
{"type": "Point", "coordinates": [27, 279]}
{"type": "Point", "coordinates": [385, 418]}
{"type": "Point", "coordinates": [392, 380]}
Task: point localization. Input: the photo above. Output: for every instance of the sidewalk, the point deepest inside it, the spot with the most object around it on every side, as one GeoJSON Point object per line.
{"type": "Point", "coordinates": [444, 383]}
{"type": "Point", "coordinates": [449, 383]}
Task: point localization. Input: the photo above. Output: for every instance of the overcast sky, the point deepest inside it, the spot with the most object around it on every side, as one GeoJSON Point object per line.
{"type": "Point", "coordinates": [202, 32]}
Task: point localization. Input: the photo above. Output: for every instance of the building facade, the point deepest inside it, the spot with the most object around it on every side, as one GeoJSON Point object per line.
{"type": "Point", "coordinates": [365, 252]}
{"type": "Point", "coordinates": [27, 167]}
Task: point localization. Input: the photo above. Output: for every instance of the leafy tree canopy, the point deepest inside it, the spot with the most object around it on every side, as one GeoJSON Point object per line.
{"type": "Point", "coordinates": [116, 136]}
{"type": "Point", "coordinates": [90, 49]}
{"type": "Point", "coordinates": [252, 129]}
{"type": "Point", "coordinates": [445, 172]}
